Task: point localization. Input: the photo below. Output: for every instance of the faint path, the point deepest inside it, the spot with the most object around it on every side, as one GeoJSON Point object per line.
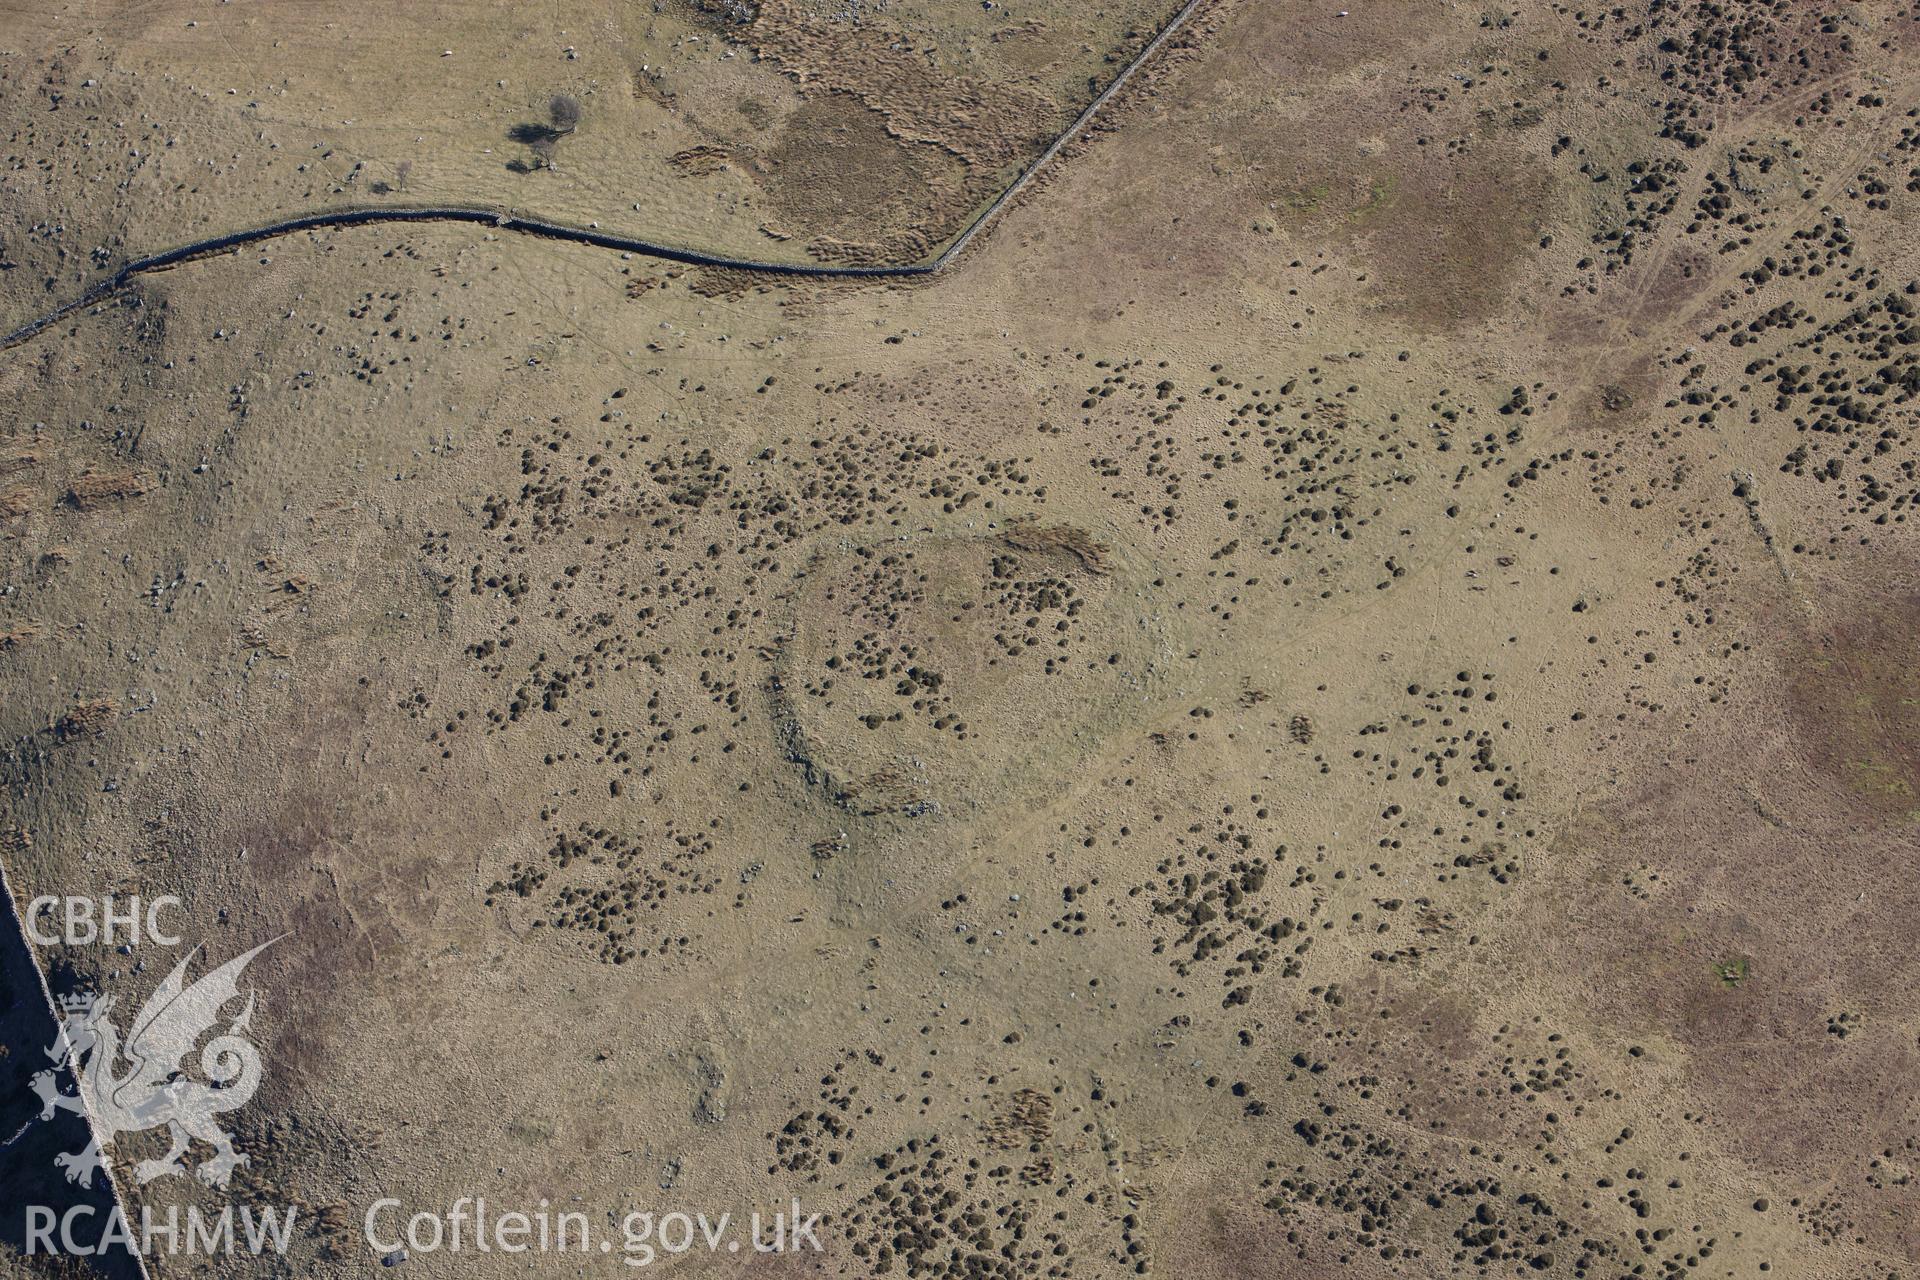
{"type": "Point", "coordinates": [505, 220]}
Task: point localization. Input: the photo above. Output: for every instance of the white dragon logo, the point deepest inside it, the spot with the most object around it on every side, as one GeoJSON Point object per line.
{"type": "Point", "coordinates": [154, 1090]}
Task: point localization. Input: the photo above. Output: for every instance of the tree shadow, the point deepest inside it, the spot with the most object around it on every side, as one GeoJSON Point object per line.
{"type": "Point", "coordinates": [533, 135]}
{"type": "Point", "coordinates": [540, 139]}
{"type": "Point", "coordinates": [563, 116]}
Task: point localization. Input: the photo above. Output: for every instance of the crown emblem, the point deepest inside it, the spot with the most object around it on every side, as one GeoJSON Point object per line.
{"type": "Point", "coordinates": [80, 1003]}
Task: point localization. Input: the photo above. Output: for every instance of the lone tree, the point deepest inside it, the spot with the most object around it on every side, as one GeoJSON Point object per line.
{"type": "Point", "coordinates": [563, 117]}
